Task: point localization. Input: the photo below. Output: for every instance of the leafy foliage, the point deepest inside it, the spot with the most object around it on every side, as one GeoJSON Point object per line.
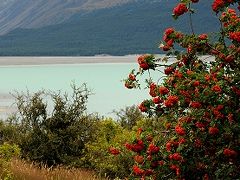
{"type": "Point", "coordinates": [7, 152]}
{"type": "Point", "coordinates": [110, 137]}
{"type": "Point", "coordinates": [60, 137]}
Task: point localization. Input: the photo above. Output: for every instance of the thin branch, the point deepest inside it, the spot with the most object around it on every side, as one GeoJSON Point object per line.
{"type": "Point", "coordinates": [222, 38]}
{"type": "Point", "coordinates": [190, 19]}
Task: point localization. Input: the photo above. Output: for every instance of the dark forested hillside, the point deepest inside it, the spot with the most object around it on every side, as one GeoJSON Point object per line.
{"type": "Point", "coordinates": [132, 28]}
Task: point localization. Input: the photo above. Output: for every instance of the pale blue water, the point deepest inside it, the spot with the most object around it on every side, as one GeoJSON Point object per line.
{"type": "Point", "coordinates": [103, 79]}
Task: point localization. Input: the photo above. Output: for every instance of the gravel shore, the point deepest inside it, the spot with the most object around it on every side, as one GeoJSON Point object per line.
{"type": "Point", "coordinates": [9, 61]}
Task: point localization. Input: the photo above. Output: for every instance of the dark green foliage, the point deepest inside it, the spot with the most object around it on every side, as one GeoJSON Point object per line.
{"type": "Point", "coordinates": [8, 131]}
{"type": "Point", "coordinates": [134, 28]}
{"type": "Point", "coordinates": [60, 137]}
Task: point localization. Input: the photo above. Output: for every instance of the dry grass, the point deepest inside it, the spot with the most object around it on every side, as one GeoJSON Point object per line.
{"type": "Point", "coordinates": [26, 171]}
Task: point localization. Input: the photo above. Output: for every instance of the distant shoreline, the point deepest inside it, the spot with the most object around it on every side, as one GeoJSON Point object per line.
{"type": "Point", "coordinates": [64, 60]}
{"type": "Point", "coordinates": [52, 60]}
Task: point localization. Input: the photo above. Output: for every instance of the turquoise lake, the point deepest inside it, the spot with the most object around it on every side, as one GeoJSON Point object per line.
{"type": "Point", "coordinates": [104, 80]}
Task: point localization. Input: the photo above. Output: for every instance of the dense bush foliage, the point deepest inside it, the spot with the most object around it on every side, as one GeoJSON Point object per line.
{"type": "Point", "coordinates": [9, 131]}
{"type": "Point", "coordinates": [197, 103]}
{"type": "Point", "coordinates": [7, 152]}
{"type": "Point", "coordinates": [53, 129]}
{"type": "Point", "coordinates": [56, 137]}
{"type": "Point", "coordinates": [66, 135]}
{"type": "Point", "coordinates": [110, 137]}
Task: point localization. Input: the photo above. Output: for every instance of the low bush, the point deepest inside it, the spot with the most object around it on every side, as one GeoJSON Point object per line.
{"type": "Point", "coordinates": [7, 153]}
{"type": "Point", "coordinates": [100, 153]}
{"type": "Point", "coordinates": [55, 137]}
{"type": "Point", "coordinates": [9, 131]}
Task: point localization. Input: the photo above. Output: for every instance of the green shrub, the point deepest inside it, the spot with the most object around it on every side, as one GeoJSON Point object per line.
{"type": "Point", "coordinates": [57, 137]}
{"type": "Point", "coordinates": [7, 152]}
{"type": "Point", "coordinates": [97, 156]}
{"type": "Point", "coordinates": [9, 132]}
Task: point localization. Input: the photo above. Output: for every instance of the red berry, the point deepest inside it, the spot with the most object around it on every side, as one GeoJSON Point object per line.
{"type": "Point", "coordinates": [139, 159]}
{"type": "Point", "coordinates": [157, 100]}
{"type": "Point", "coordinates": [132, 77]}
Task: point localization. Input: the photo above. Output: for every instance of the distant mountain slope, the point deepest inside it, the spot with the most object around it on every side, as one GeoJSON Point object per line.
{"type": "Point", "coordinates": [132, 28]}
{"type": "Point", "coordinates": [39, 13]}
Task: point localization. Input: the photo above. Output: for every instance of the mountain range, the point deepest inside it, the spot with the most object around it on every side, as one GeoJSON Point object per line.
{"type": "Point", "coordinates": [90, 27]}
{"type": "Point", "coordinates": [39, 13]}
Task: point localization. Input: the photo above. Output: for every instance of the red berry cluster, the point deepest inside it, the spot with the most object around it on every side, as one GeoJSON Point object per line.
{"type": "Point", "coordinates": [146, 62]}
{"type": "Point", "coordinates": [219, 5]}
{"type": "Point", "coordinates": [180, 9]}
{"type": "Point", "coordinates": [146, 155]}
{"type": "Point", "coordinates": [170, 36]}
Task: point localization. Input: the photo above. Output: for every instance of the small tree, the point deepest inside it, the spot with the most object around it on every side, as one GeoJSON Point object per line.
{"type": "Point", "coordinates": [60, 137]}
{"type": "Point", "coordinates": [129, 116]}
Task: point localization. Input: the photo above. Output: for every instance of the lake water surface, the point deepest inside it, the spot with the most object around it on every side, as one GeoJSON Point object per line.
{"type": "Point", "coordinates": [104, 79]}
